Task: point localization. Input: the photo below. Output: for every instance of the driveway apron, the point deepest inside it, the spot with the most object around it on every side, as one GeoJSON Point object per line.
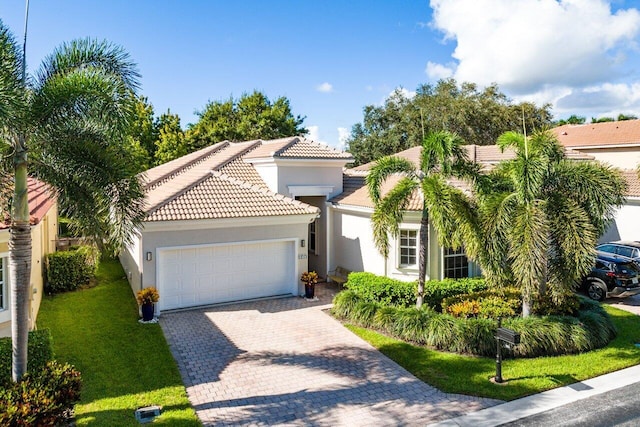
{"type": "Point", "coordinates": [287, 362]}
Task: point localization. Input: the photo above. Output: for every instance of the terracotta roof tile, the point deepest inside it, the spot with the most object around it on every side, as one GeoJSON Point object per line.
{"type": "Point", "coordinates": [221, 196]}
{"type": "Point", "coordinates": [297, 147]}
{"type": "Point", "coordinates": [41, 199]}
{"type": "Point", "coordinates": [626, 132]}
{"type": "Point", "coordinates": [633, 182]}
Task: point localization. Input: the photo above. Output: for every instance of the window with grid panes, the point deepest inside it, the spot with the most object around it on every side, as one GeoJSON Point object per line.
{"type": "Point", "coordinates": [408, 248]}
{"type": "Point", "coordinates": [456, 264]}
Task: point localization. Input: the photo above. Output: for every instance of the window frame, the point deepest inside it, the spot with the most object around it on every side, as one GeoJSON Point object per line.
{"type": "Point", "coordinates": [448, 256]}
{"type": "Point", "coordinates": [415, 247]}
{"type": "Point", "coordinates": [313, 232]}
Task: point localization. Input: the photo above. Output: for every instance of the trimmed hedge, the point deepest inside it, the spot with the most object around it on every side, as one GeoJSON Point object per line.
{"type": "Point", "coordinates": [387, 291]}
{"type": "Point", "coordinates": [540, 335]}
{"type": "Point", "coordinates": [67, 270]}
{"type": "Point", "coordinates": [40, 352]}
{"type": "Point", "coordinates": [486, 304]}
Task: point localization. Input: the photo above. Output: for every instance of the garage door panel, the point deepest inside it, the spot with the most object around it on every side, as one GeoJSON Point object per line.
{"type": "Point", "coordinates": [219, 273]}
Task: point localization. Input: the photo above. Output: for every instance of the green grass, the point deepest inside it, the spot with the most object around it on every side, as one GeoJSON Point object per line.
{"type": "Point", "coordinates": [453, 373]}
{"type": "Point", "coordinates": [124, 364]}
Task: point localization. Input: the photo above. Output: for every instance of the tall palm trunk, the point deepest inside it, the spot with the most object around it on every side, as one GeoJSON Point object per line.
{"type": "Point", "coordinates": [20, 264]}
{"type": "Point", "coordinates": [422, 255]}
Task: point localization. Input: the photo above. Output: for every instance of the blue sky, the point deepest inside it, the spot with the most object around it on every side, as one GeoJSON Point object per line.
{"type": "Point", "coordinates": [332, 58]}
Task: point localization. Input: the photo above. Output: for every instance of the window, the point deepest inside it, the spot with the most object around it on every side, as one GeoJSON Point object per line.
{"type": "Point", "coordinates": [408, 248]}
{"type": "Point", "coordinates": [3, 290]}
{"type": "Point", "coordinates": [312, 237]}
{"type": "Point", "coordinates": [625, 251]}
{"type": "Point", "coordinates": [456, 264]}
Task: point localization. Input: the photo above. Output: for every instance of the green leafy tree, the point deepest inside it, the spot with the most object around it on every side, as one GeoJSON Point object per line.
{"type": "Point", "coordinates": [572, 120]}
{"type": "Point", "coordinates": [71, 117]}
{"type": "Point", "coordinates": [253, 116]}
{"type": "Point", "coordinates": [602, 120]}
{"type": "Point", "coordinates": [171, 142]}
{"type": "Point", "coordinates": [477, 116]}
{"type": "Point", "coordinates": [442, 156]}
{"type": "Point", "coordinates": [534, 220]}
{"type": "Point", "coordinates": [622, 117]}
{"type": "Point", "coordinates": [143, 134]}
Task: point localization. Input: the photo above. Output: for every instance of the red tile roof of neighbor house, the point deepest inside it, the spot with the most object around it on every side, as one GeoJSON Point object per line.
{"type": "Point", "coordinates": [219, 182]}
{"type": "Point", "coordinates": [625, 132]}
{"type": "Point", "coordinates": [41, 199]}
{"type": "Point", "coordinates": [633, 183]}
{"type": "Point", "coordinates": [356, 193]}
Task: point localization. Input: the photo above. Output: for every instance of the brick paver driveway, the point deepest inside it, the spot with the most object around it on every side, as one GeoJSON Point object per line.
{"type": "Point", "coordinates": [286, 361]}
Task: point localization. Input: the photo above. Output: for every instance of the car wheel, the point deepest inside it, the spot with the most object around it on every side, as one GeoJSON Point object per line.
{"type": "Point", "coordinates": [596, 291]}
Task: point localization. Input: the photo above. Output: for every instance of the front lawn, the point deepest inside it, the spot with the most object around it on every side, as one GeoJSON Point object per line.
{"type": "Point", "coordinates": [124, 364]}
{"type": "Point", "coordinates": [453, 373]}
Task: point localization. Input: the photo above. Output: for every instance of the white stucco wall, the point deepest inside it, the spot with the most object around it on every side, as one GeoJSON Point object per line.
{"type": "Point", "coordinates": [131, 259]}
{"type": "Point", "coordinates": [620, 157]}
{"type": "Point", "coordinates": [309, 175]}
{"type": "Point", "coordinates": [626, 225]}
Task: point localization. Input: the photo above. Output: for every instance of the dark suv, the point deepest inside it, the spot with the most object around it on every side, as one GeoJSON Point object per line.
{"type": "Point", "coordinates": [628, 248]}
{"type": "Point", "coordinates": [612, 276]}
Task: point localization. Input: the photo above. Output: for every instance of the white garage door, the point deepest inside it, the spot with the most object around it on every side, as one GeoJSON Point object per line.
{"type": "Point", "coordinates": [211, 274]}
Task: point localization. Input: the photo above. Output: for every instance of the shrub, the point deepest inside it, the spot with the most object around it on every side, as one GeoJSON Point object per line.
{"type": "Point", "coordinates": [489, 304]}
{"type": "Point", "coordinates": [67, 270]}
{"type": "Point", "coordinates": [148, 295]}
{"type": "Point", "coordinates": [380, 289]}
{"type": "Point", "coordinates": [435, 291]}
{"type": "Point", "coordinates": [43, 398]}
{"type": "Point", "coordinates": [40, 350]}
{"type": "Point", "coordinates": [545, 305]}
{"type": "Point", "coordinates": [540, 335]}
{"type": "Point", "coordinates": [388, 291]}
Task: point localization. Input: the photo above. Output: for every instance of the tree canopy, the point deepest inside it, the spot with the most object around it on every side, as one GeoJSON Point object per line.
{"type": "Point", "coordinates": [476, 116]}
{"type": "Point", "coordinates": [253, 116]}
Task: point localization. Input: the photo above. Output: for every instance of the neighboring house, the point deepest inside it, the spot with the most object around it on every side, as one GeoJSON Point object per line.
{"type": "Point", "coordinates": [615, 143]}
{"type": "Point", "coordinates": [43, 213]}
{"type": "Point", "coordinates": [232, 221]}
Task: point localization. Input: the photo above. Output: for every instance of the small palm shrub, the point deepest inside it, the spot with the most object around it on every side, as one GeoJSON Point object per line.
{"type": "Point", "coordinates": [540, 335]}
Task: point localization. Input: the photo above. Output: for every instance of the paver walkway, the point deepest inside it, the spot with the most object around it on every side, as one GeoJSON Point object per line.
{"type": "Point", "coordinates": [287, 362]}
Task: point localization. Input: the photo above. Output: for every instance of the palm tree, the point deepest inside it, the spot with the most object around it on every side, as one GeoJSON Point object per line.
{"type": "Point", "coordinates": [70, 117]}
{"type": "Point", "coordinates": [442, 156]}
{"type": "Point", "coordinates": [534, 220]}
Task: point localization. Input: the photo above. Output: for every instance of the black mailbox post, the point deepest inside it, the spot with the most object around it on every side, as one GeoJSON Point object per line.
{"type": "Point", "coordinates": [504, 336]}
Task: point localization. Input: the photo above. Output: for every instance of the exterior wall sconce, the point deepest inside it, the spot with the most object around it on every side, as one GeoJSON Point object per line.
{"type": "Point", "coordinates": [302, 243]}
{"type": "Point", "coordinates": [149, 256]}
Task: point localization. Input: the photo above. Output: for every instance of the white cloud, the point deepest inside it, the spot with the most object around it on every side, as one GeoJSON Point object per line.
{"type": "Point", "coordinates": [438, 71]}
{"type": "Point", "coordinates": [527, 45]}
{"type": "Point", "coordinates": [343, 135]}
{"type": "Point", "coordinates": [325, 87]}
{"type": "Point", "coordinates": [314, 133]}
{"type": "Point", "coordinates": [402, 91]}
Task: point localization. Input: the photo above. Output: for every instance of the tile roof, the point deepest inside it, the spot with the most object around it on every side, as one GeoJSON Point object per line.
{"type": "Point", "coordinates": [221, 196]}
{"type": "Point", "coordinates": [356, 193]}
{"type": "Point", "coordinates": [218, 182]}
{"type": "Point", "coordinates": [625, 132]}
{"type": "Point", "coordinates": [41, 198]}
{"type": "Point", "coordinates": [633, 182]}
{"type": "Point", "coordinates": [298, 148]}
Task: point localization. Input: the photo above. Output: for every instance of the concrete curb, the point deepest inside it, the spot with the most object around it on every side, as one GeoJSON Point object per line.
{"type": "Point", "coordinates": [542, 402]}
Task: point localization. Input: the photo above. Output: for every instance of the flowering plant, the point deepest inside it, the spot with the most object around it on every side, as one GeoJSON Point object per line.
{"type": "Point", "coordinates": [147, 296]}
{"type": "Point", "coordinates": [309, 277]}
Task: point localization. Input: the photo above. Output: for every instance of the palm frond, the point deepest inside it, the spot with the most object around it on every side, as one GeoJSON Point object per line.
{"type": "Point", "coordinates": [12, 94]}
{"type": "Point", "coordinates": [383, 169]}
